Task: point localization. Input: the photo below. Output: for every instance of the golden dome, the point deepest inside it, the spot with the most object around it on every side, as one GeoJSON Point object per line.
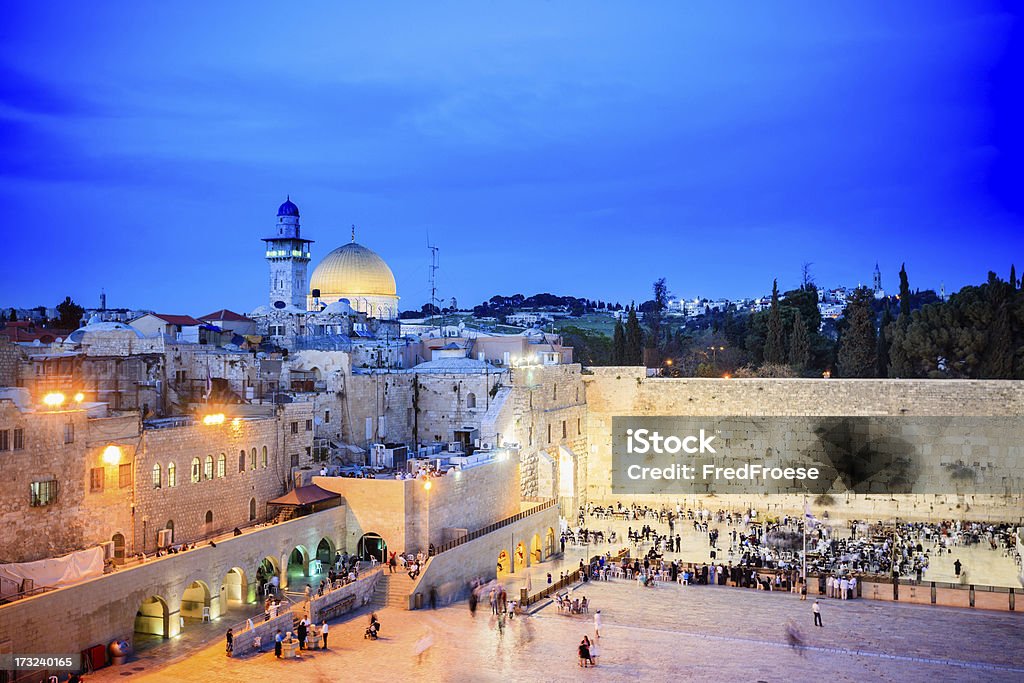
{"type": "Point", "coordinates": [353, 270]}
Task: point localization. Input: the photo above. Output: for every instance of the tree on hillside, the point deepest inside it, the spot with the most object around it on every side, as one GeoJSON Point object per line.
{"type": "Point", "coordinates": [899, 362]}
{"type": "Point", "coordinates": [799, 345]}
{"type": "Point", "coordinates": [1013, 276]}
{"type": "Point", "coordinates": [634, 339]}
{"type": "Point", "coordinates": [69, 314]}
{"type": "Point", "coordinates": [589, 348]}
{"type": "Point", "coordinates": [858, 345]}
{"type": "Point", "coordinates": [882, 353]}
{"type": "Point", "coordinates": [655, 316]}
{"type": "Point", "coordinates": [13, 315]}
{"type": "Point", "coordinates": [775, 343]}
{"type": "Point", "coordinates": [619, 344]}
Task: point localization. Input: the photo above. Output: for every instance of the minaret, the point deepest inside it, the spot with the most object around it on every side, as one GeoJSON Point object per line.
{"type": "Point", "coordinates": [288, 255]}
{"type": "Point", "coordinates": [878, 278]}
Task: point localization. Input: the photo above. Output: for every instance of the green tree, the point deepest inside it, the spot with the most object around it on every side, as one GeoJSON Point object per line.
{"type": "Point", "coordinates": [655, 314]}
{"type": "Point", "coordinates": [1013, 276]}
{"type": "Point", "coordinates": [69, 314]}
{"type": "Point", "coordinates": [634, 339]}
{"type": "Point", "coordinates": [13, 315]}
{"type": "Point", "coordinates": [590, 348]}
{"type": "Point", "coordinates": [799, 344]}
{"type": "Point", "coordinates": [775, 343]}
{"type": "Point", "coordinates": [899, 360]}
{"type": "Point", "coordinates": [619, 344]}
{"type": "Point", "coordinates": [858, 345]}
{"type": "Point", "coordinates": [882, 354]}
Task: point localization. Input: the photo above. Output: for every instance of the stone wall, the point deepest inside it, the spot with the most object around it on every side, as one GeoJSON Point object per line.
{"type": "Point", "coordinates": [620, 391]}
{"type": "Point", "coordinates": [451, 572]}
{"type": "Point", "coordinates": [408, 517]}
{"type": "Point", "coordinates": [10, 362]}
{"type": "Point", "coordinates": [104, 608]}
{"type": "Point", "coordinates": [333, 604]}
{"type": "Point", "coordinates": [227, 497]}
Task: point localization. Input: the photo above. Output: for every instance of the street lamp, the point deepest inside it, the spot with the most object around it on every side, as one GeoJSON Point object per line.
{"type": "Point", "coordinates": [54, 399]}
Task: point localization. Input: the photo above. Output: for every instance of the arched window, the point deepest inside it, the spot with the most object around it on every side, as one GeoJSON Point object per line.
{"type": "Point", "coordinates": [241, 461]}
{"type": "Point", "coordinates": [209, 516]}
{"type": "Point", "coordinates": [157, 475]}
{"type": "Point", "coordinates": [208, 468]}
{"type": "Point", "coordinates": [172, 475]}
{"type": "Point", "coordinates": [252, 509]}
{"type": "Point", "coordinates": [222, 465]}
{"type": "Point", "coordinates": [195, 470]}
{"type": "Point", "coordinates": [471, 400]}
{"type": "Point", "coordinates": [170, 525]}
{"type": "Point", "coordinates": [252, 459]}
{"type": "Point", "coordinates": [264, 457]}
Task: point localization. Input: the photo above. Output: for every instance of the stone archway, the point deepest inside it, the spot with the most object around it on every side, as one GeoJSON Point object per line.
{"type": "Point", "coordinates": [536, 551]}
{"type": "Point", "coordinates": [118, 540]}
{"type": "Point", "coordinates": [194, 599]}
{"type": "Point", "coordinates": [325, 552]}
{"type": "Point", "coordinates": [520, 557]}
{"type": "Point", "coordinates": [504, 565]}
{"type": "Point", "coordinates": [549, 542]}
{"type": "Point", "coordinates": [267, 569]}
{"type": "Point", "coordinates": [296, 565]}
{"type": "Point", "coordinates": [234, 590]}
{"type": "Point", "coordinates": [372, 545]}
{"type": "Point", "coordinates": [151, 620]}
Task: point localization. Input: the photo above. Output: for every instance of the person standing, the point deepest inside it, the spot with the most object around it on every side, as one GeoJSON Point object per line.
{"type": "Point", "coordinates": [323, 632]}
{"type": "Point", "coordinates": [278, 639]}
{"type": "Point", "coordinates": [230, 644]}
{"type": "Point", "coordinates": [957, 566]}
{"type": "Point", "coordinates": [816, 608]}
{"type": "Point", "coordinates": [597, 624]}
{"type": "Point", "coordinates": [301, 632]}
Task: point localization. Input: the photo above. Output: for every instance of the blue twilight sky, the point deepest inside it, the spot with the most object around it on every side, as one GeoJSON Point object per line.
{"type": "Point", "coordinates": [579, 148]}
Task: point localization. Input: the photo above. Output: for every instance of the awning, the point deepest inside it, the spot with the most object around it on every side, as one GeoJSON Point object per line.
{"type": "Point", "coordinates": [304, 495]}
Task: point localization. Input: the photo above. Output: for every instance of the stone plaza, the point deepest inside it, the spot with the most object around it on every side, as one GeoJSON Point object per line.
{"type": "Point", "coordinates": [693, 633]}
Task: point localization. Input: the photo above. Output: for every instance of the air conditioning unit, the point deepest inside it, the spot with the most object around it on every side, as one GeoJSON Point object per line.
{"type": "Point", "coordinates": [164, 538]}
{"type": "Point", "coordinates": [486, 446]}
{"type": "Point", "coordinates": [108, 550]}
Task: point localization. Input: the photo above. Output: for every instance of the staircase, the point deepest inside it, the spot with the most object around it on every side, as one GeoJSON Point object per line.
{"type": "Point", "coordinates": [392, 590]}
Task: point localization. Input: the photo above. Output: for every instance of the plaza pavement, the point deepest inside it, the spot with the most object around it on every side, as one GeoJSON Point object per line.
{"type": "Point", "coordinates": [691, 633]}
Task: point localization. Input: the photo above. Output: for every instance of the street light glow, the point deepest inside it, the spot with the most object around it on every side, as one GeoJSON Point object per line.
{"type": "Point", "coordinates": [427, 485]}
{"type": "Point", "coordinates": [79, 397]}
{"type": "Point", "coordinates": [213, 419]}
{"type": "Point", "coordinates": [112, 455]}
{"type": "Point", "coordinates": [54, 399]}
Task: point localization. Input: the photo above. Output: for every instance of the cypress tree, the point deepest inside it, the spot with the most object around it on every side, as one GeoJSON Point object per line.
{"type": "Point", "coordinates": [634, 339]}
{"type": "Point", "coordinates": [904, 291]}
{"type": "Point", "coordinates": [619, 344]}
{"type": "Point", "coordinates": [775, 343]}
{"type": "Point", "coordinates": [882, 356]}
{"type": "Point", "coordinates": [899, 361]}
{"type": "Point", "coordinates": [858, 345]}
{"type": "Point", "coordinates": [1013, 276]}
{"type": "Point", "coordinates": [799, 344]}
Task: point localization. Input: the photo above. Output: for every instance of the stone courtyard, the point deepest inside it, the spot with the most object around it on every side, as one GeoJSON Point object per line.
{"type": "Point", "coordinates": [689, 632]}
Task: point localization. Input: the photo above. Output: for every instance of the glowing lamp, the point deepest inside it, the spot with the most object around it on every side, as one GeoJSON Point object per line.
{"type": "Point", "coordinates": [427, 485]}
{"type": "Point", "coordinates": [79, 397]}
{"type": "Point", "coordinates": [727, 376]}
{"type": "Point", "coordinates": [214, 419]}
{"type": "Point", "coordinates": [54, 399]}
{"type": "Point", "coordinates": [112, 455]}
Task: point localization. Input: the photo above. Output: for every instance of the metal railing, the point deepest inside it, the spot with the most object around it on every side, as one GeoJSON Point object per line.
{"type": "Point", "coordinates": [550, 503]}
{"type": "Point", "coordinates": [570, 579]}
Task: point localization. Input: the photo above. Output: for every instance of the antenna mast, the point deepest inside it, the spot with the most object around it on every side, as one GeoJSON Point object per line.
{"type": "Point", "coordinates": [433, 274]}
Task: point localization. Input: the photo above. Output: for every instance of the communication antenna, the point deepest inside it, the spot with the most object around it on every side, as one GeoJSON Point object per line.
{"type": "Point", "coordinates": [434, 260]}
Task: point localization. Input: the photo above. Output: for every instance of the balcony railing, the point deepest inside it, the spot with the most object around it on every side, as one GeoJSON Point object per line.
{"type": "Point", "coordinates": [550, 503]}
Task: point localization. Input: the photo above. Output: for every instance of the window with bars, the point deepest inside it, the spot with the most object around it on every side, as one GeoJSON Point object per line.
{"type": "Point", "coordinates": [5, 439]}
{"type": "Point", "coordinates": [172, 476]}
{"type": "Point", "coordinates": [309, 425]}
{"type": "Point", "coordinates": [19, 438]}
{"type": "Point", "coordinates": [43, 493]}
{"type": "Point", "coordinates": [208, 467]}
{"type": "Point", "coordinates": [196, 471]}
{"type": "Point", "coordinates": [295, 459]}
{"type": "Point", "coordinates": [222, 465]}
{"type": "Point", "coordinates": [295, 427]}
{"type": "Point", "coordinates": [69, 432]}
{"type": "Point", "coordinates": [264, 457]}
{"type": "Point", "coordinates": [96, 479]}
{"type": "Point", "coordinates": [157, 476]}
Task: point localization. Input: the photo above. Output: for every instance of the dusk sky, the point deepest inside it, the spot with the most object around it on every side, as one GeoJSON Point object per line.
{"type": "Point", "coordinates": [575, 148]}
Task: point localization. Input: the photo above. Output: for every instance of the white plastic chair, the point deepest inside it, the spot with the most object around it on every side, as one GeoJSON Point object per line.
{"type": "Point", "coordinates": [206, 614]}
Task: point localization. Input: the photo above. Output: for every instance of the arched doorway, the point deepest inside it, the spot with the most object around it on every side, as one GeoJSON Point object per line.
{"type": "Point", "coordinates": [267, 569]}
{"type": "Point", "coordinates": [536, 552]}
{"type": "Point", "coordinates": [371, 545]}
{"type": "Point", "coordinates": [234, 591]}
{"type": "Point", "coordinates": [170, 527]}
{"type": "Point", "coordinates": [195, 598]}
{"type": "Point", "coordinates": [549, 542]}
{"type": "Point", "coordinates": [297, 567]}
{"type": "Point", "coordinates": [325, 552]}
{"type": "Point", "coordinates": [520, 559]}
{"type": "Point", "coordinates": [504, 564]}
{"type": "Point", "coordinates": [118, 540]}
{"type": "Point", "coordinates": [151, 622]}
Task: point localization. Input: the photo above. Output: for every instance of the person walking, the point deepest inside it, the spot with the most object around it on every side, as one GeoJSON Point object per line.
{"type": "Point", "coordinates": [597, 624]}
{"type": "Point", "coordinates": [230, 644]}
{"type": "Point", "coordinates": [323, 632]}
{"type": "Point", "coordinates": [584, 652]}
{"type": "Point", "coordinates": [816, 608]}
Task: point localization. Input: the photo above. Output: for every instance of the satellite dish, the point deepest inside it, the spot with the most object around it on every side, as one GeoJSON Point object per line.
{"type": "Point", "coordinates": [279, 304]}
